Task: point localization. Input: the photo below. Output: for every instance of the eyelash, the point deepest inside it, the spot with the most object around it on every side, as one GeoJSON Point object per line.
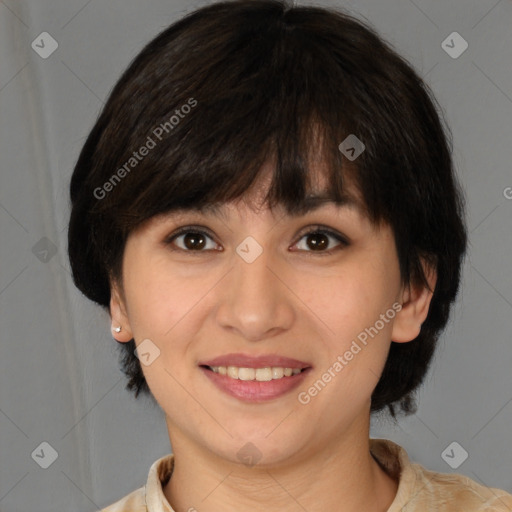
{"type": "Point", "coordinates": [314, 230]}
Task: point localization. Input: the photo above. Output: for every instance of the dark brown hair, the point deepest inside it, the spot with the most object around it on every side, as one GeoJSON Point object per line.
{"type": "Point", "coordinates": [234, 84]}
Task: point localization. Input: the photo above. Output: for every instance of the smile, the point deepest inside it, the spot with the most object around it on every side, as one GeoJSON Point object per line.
{"type": "Point", "coordinates": [265, 374]}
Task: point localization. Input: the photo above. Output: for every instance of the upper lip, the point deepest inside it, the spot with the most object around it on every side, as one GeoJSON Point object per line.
{"type": "Point", "coordinates": [262, 361]}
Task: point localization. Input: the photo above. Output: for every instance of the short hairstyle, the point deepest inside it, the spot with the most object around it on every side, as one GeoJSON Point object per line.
{"type": "Point", "coordinates": [236, 84]}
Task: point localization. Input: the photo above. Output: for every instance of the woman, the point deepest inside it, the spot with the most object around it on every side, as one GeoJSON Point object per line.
{"type": "Point", "coordinates": [267, 207]}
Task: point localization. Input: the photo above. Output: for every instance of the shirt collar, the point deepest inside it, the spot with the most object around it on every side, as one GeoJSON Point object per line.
{"type": "Point", "coordinates": [159, 474]}
{"type": "Point", "coordinates": [395, 461]}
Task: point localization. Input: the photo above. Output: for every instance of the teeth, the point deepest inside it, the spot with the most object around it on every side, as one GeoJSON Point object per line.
{"type": "Point", "coordinates": [277, 373]}
{"type": "Point", "coordinates": [246, 373]}
{"type": "Point", "coordinates": [260, 374]}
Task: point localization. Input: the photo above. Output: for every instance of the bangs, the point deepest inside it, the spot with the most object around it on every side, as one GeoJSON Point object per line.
{"type": "Point", "coordinates": [298, 164]}
{"type": "Point", "coordinates": [269, 94]}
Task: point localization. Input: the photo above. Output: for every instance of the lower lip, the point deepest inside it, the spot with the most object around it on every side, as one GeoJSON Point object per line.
{"type": "Point", "coordinates": [253, 390]}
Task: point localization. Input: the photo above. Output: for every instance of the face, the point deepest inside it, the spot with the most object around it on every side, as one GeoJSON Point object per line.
{"type": "Point", "coordinates": [223, 304]}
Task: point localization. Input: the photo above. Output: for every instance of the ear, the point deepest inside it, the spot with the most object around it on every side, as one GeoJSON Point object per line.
{"type": "Point", "coordinates": [119, 315]}
{"type": "Point", "coordinates": [415, 300]}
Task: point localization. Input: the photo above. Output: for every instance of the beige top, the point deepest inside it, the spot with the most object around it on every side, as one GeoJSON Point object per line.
{"type": "Point", "coordinates": [419, 490]}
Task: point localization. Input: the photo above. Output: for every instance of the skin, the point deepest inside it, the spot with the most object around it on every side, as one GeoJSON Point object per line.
{"type": "Point", "coordinates": [292, 301]}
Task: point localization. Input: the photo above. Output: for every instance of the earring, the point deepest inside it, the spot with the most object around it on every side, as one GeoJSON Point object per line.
{"type": "Point", "coordinates": [117, 329]}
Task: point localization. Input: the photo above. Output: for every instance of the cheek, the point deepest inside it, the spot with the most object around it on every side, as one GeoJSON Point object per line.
{"type": "Point", "coordinates": [352, 298]}
{"type": "Point", "coordinates": [161, 300]}
{"type": "Point", "coordinates": [356, 306]}
{"type": "Point", "coordinates": [151, 296]}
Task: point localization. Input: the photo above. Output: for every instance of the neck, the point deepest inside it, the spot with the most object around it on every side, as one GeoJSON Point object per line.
{"type": "Point", "coordinates": [342, 476]}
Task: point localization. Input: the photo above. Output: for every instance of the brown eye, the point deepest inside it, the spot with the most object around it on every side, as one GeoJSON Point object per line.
{"type": "Point", "coordinates": [321, 240]}
{"type": "Point", "coordinates": [191, 240]}
{"type": "Point", "coordinates": [317, 241]}
{"type": "Point", "coordinates": [194, 241]}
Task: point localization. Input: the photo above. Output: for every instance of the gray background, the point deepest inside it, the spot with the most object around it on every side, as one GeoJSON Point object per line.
{"type": "Point", "coordinates": [59, 376]}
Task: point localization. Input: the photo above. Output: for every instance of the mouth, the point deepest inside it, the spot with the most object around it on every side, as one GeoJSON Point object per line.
{"type": "Point", "coordinates": [255, 379]}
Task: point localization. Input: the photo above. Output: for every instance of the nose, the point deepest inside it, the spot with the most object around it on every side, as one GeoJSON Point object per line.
{"type": "Point", "coordinates": [256, 302]}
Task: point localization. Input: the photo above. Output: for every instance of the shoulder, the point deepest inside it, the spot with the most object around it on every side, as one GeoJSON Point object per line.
{"type": "Point", "coordinates": [449, 492]}
{"type": "Point", "coordinates": [133, 502]}
{"type": "Point", "coordinates": [422, 490]}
